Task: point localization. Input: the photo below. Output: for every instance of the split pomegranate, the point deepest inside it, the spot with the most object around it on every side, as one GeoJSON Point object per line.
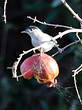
{"type": "Point", "coordinates": [42, 67]}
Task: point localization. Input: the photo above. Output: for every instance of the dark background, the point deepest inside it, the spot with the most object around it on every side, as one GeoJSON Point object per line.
{"type": "Point", "coordinates": [28, 94]}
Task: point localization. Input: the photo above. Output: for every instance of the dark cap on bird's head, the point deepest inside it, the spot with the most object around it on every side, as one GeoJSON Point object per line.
{"type": "Point", "coordinates": [29, 29]}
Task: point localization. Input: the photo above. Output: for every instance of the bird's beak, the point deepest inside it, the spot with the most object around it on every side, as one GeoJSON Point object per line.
{"type": "Point", "coordinates": [23, 31]}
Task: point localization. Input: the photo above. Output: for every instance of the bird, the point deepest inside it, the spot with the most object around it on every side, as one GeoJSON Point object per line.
{"type": "Point", "coordinates": [38, 37]}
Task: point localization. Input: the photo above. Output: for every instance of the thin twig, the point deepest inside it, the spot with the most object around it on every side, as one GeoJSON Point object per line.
{"type": "Point", "coordinates": [62, 49]}
{"type": "Point", "coordinates": [77, 90]}
{"type": "Point", "coordinates": [44, 23]}
{"type": "Point", "coordinates": [78, 37]}
{"type": "Point", "coordinates": [71, 10]}
{"type": "Point", "coordinates": [5, 4]}
{"type": "Point", "coordinates": [76, 71]}
{"type": "Point", "coordinates": [74, 76]}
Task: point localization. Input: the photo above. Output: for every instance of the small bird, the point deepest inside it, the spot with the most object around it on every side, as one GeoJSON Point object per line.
{"type": "Point", "coordinates": [38, 37]}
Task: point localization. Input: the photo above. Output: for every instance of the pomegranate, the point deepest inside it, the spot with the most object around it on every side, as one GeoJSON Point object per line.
{"type": "Point", "coordinates": [42, 67]}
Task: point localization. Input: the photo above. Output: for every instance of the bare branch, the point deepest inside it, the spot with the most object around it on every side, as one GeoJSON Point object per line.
{"type": "Point", "coordinates": [44, 23]}
{"type": "Point", "coordinates": [74, 76]}
{"type": "Point", "coordinates": [67, 32]}
{"type": "Point", "coordinates": [71, 10]}
{"type": "Point", "coordinates": [5, 4]}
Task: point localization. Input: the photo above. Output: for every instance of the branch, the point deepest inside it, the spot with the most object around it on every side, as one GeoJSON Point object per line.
{"type": "Point", "coordinates": [67, 32]}
{"type": "Point", "coordinates": [4, 15]}
{"type": "Point", "coordinates": [74, 76]}
{"type": "Point", "coordinates": [44, 23]}
{"type": "Point", "coordinates": [71, 10]}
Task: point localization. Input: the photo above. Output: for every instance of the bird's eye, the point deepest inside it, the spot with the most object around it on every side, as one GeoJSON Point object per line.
{"type": "Point", "coordinates": [32, 28]}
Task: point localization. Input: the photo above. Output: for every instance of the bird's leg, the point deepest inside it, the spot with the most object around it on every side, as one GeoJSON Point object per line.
{"type": "Point", "coordinates": [41, 51]}
{"type": "Point", "coordinates": [34, 51]}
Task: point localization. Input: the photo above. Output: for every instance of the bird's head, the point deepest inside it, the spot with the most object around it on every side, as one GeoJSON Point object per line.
{"type": "Point", "coordinates": [31, 30]}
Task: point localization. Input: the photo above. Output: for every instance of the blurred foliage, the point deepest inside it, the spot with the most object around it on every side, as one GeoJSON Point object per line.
{"type": "Point", "coordinates": [28, 94]}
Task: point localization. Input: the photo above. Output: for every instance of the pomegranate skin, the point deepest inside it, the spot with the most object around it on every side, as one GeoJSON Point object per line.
{"type": "Point", "coordinates": [43, 67]}
{"type": "Point", "coordinates": [26, 67]}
